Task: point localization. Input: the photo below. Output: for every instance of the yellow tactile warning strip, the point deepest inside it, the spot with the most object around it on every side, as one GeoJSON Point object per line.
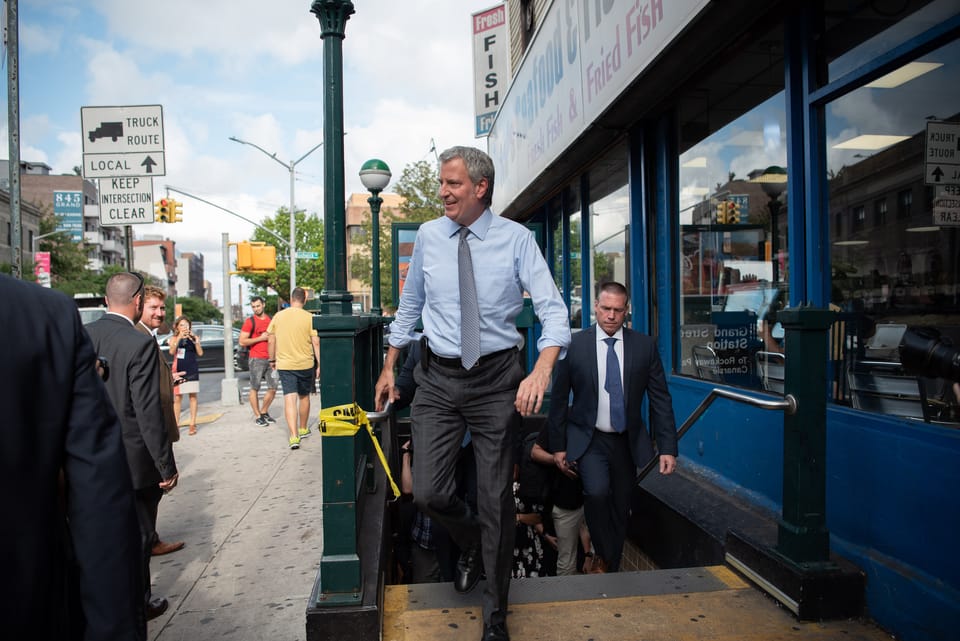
{"type": "Point", "coordinates": [201, 420]}
{"type": "Point", "coordinates": [735, 613]}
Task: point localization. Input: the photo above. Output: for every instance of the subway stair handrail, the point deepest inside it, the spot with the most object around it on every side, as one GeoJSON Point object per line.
{"type": "Point", "coordinates": [788, 404]}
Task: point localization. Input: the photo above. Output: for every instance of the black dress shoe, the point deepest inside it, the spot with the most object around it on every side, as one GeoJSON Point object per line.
{"type": "Point", "coordinates": [156, 607]}
{"type": "Point", "coordinates": [495, 632]}
{"type": "Point", "coordinates": [469, 568]}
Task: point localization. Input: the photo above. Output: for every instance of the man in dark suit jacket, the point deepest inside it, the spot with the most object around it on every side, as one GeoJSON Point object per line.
{"type": "Point", "coordinates": [606, 440]}
{"type": "Point", "coordinates": [59, 419]}
{"type": "Point", "coordinates": [154, 313]}
{"type": "Point", "coordinates": [133, 387]}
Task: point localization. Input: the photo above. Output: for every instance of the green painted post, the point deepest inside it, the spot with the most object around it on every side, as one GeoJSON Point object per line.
{"type": "Point", "coordinates": [333, 16]}
{"type": "Point", "coordinates": [339, 581]}
{"type": "Point", "coordinates": [803, 537]}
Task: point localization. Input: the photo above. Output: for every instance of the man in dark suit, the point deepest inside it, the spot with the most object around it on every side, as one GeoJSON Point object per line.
{"type": "Point", "coordinates": [59, 419]}
{"type": "Point", "coordinates": [601, 432]}
{"type": "Point", "coordinates": [133, 387]}
{"type": "Point", "coordinates": [152, 318]}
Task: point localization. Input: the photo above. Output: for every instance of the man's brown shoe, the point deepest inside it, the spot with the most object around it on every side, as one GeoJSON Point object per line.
{"type": "Point", "coordinates": [160, 548]}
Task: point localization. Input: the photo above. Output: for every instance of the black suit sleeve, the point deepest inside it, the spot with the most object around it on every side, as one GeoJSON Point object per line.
{"type": "Point", "coordinates": [103, 522]}
{"type": "Point", "coordinates": [144, 386]}
{"type": "Point", "coordinates": [663, 425]}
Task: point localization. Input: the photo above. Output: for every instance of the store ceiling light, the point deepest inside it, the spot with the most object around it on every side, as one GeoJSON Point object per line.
{"type": "Point", "coordinates": [694, 163]}
{"type": "Point", "coordinates": [923, 229]}
{"type": "Point", "coordinates": [904, 74]}
{"type": "Point", "coordinates": [870, 142]}
{"type": "Point", "coordinates": [851, 243]}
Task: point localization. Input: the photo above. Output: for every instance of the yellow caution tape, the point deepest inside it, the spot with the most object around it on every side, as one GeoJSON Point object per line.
{"type": "Point", "coordinates": [346, 420]}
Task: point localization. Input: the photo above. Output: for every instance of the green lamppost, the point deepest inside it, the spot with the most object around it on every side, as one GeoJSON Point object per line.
{"type": "Point", "coordinates": [375, 176]}
{"type": "Point", "coordinates": [773, 181]}
{"type": "Point", "coordinates": [333, 16]}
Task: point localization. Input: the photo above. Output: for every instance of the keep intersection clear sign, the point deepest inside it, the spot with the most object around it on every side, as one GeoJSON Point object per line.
{"type": "Point", "coordinates": [126, 200]}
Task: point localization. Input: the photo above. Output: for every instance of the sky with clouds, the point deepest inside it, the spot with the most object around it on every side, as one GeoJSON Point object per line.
{"type": "Point", "coordinates": [252, 70]}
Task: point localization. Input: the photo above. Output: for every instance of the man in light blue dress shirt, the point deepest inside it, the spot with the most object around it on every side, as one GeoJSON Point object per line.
{"type": "Point", "coordinates": [486, 397]}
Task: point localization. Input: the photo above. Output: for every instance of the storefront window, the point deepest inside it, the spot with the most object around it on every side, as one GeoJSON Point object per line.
{"type": "Point", "coordinates": [897, 273]}
{"type": "Point", "coordinates": [572, 203]}
{"type": "Point", "coordinates": [857, 33]}
{"type": "Point", "coordinates": [733, 242]}
{"type": "Point", "coordinates": [576, 274]}
{"type": "Point", "coordinates": [609, 222]}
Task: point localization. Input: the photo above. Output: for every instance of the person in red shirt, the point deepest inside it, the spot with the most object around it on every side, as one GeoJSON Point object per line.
{"type": "Point", "coordinates": [253, 334]}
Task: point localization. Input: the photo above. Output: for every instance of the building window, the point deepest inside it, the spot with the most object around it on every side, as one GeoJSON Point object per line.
{"type": "Point", "coordinates": [859, 218]}
{"type": "Point", "coordinates": [880, 212]}
{"type": "Point", "coordinates": [904, 204]}
{"type": "Point", "coordinates": [528, 22]}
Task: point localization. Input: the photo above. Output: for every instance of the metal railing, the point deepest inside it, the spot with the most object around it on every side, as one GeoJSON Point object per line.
{"type": "Point", "coordinates": [788, 404]}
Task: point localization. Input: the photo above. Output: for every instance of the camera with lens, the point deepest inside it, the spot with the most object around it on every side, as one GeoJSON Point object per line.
{"type": "Point", "coordinates": [925, 352]}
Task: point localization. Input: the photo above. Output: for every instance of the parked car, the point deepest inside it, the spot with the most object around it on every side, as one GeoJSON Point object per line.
{"type": "Point", "coordinates": [211, 340]}
{"type": "Point", "coordinates": [91, 307]}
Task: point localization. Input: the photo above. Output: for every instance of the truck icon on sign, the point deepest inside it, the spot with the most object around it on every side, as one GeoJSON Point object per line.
{"type": "Point", "coordinates": [111, 130]}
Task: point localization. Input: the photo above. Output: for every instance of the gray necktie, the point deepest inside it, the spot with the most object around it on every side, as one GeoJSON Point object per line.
{"type": "Point", "coordinates": [469, 310]}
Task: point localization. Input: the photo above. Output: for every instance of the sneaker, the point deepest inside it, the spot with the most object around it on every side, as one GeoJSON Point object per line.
{"type": "Point", "coordinates": [268, 418]}
{"type": "Point", "coordinates": [262, 422]}
{"type": "Point", "coordinates": [305, 433]}
{"type": "Point", "coordinates": [294, 443]}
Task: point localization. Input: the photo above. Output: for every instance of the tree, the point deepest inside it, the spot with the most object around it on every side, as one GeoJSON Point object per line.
{"type": "Point", "coordinates": [309, 237]}
{"type": "Point", "coordinates": [421, 202]}
{"type": "Point", "coordinates": [197, 310]}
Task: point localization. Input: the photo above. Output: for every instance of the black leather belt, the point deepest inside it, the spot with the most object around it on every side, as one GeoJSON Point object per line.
{"type": "Point", "coordinates": [455, 362]}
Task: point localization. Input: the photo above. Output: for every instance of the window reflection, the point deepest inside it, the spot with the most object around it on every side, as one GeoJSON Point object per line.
{"type": "Point", "coordinates": [733, 259]}
{"type": "Point", "coordinates": [901, 268]}
{"type": "Point", "coordinates": [572, 203]}
{"type": "Point", "coordinates": [609, 222]}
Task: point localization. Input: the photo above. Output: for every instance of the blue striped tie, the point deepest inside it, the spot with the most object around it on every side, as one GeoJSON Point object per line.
{"type": "Point", "coordinates": [469, 310]}
{"type": "Point", "coordinates": [614, 387]}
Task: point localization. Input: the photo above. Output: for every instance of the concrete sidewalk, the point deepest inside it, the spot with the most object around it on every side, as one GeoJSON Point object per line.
{"type": "Point", "coordinates": [249, 510]}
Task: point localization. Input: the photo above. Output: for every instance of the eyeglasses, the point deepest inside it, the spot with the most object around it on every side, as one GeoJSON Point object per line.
{"type": "Point", "coordinates": [140, 288]}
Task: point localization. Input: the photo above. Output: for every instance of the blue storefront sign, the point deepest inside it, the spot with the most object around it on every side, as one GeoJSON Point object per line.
{"type": "Point", "coordinates": [68, 208]}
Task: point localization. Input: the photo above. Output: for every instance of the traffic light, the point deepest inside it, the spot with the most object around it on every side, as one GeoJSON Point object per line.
{"type": "Point", "coordinates": [244, 256]}
{"type": "Point", "coordinates": [256, 257]}
{"type": "Point", "coordinates": [264, 258]}
{"type": "Point", "coordinates": [733, 213]}
{"type": "Point", "coordinates": [722, 212]}
{"type": "Point", "coordinates": [162, 209]}
{"type": "Point", "coordinates": [176, 211]}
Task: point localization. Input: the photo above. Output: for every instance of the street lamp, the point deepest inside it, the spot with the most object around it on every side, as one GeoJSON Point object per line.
{"type": "Point", "coordinates": [375, 176]}
{"type": "Point", "coordinates": [773, 181]}
{"type": "Point", "coordinates": [290, 167]}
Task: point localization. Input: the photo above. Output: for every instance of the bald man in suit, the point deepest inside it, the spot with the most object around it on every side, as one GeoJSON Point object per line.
{"type": "Point", "coordinates": [62, 460]}
{"type": "Point", "coordinates": [133, 387]}
{"type": "Point", "coordinates": [603, 439]}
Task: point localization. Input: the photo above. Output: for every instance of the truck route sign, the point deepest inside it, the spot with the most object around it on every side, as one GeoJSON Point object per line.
{"type": "Point", "coordinates": [122, 141]}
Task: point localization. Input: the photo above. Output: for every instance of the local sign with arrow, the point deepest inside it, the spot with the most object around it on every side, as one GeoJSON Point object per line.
{"type": "Point", "coordinates": [942, 153]}
{"type": "Point", "coordinates": [123, 141]}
